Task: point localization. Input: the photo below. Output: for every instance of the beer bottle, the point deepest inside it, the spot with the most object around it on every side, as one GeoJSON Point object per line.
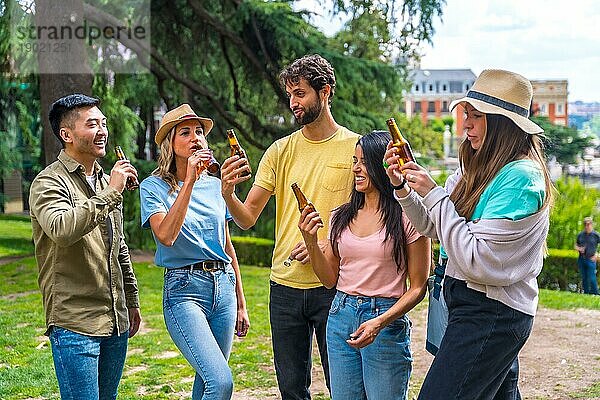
{"type": "Point", "coordinates": [236, 149]}
{"type": "Point", "coordinates": [132, 182]}
{"type": "Point", "coordinates": [212, 165]}
{"type": "Point", "coordinates": [398, 141]}
{"type": "Point", "coordinates": [302, 204]}
{"type": "Point", "coordinates": [302, 200]}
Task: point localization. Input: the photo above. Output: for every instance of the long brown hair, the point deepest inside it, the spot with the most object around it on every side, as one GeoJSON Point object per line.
{"type": "Point", "coordinates": [373, 146]}
{"type": "Point", "coordinates": [503, 143]}
{"type": "Point", "coordinates": [166, 168]}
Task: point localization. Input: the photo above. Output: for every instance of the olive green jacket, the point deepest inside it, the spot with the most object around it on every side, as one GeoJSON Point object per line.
{"type": "Point", "coordinates": [85, 272]}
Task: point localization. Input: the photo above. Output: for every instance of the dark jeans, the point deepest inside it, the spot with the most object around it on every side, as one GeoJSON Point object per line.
{"type": "Point", "coordinates": [477, 359]}
{"type": "Point", "coordinates": [295, 314]}
{"type": "Point", "coordinates": [587, 269]}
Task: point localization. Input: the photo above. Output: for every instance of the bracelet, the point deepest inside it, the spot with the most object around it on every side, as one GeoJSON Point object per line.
{"type": "Point", "coordinates": [400, 186]}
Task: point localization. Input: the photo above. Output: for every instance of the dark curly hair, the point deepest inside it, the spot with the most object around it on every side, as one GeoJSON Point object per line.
{"type": "Point", "coordinates": [317, 71]}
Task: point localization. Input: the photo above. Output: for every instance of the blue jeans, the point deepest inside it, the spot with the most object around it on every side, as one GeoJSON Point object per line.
{"type": "Point", "coordinates": [477, 358]}
{"type": "Point", "coordinates": [379, 371]}
{"type": "Point", "coordinates": [200, 310]}
{"type": "Point", "coordinates": [587, 269]}
{"type": "Point", "coordinates": [87, 367]}
{"type": "Point", "coordinates": [295, 314]}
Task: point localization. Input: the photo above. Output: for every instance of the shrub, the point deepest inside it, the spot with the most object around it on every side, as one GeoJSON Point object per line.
{"type": "Point", "coordinates": [560, 271]}
{"type": "Point", "coordinates": [253, 250]}
{"type": "Point", "coordinates": [573, 202]}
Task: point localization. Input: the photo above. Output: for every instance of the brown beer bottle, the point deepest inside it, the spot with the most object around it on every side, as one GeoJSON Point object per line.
{"type": "Point", "coordinates": [236, 149]}
{"type": "Point", "coordinates": [132, 182]}
{"type": "Point", "coordinates": [211, 165]}
{"type": "Point", "coordinates": [398, 141]}
{"type": "Point", "coordinates": [302, 200]}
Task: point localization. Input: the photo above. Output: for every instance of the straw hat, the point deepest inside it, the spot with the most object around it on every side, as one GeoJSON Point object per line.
{"type": "Point", "coordinates": [502, 92]}
{"type": "Point", "coordinates": [182, 113]}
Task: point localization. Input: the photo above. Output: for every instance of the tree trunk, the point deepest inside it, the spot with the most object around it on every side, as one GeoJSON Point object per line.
{"type": "Point", "coordinates": [61, 72]}
{"type": "Point", "coordinates": [141, 135]}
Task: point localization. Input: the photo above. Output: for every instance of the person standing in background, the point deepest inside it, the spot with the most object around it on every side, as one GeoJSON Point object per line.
{"type": "Point", "coordinates": [587, 246]}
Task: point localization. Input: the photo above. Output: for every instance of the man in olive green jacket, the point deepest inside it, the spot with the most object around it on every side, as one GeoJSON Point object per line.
{"type": "Point", "coordinates": [87, 281]}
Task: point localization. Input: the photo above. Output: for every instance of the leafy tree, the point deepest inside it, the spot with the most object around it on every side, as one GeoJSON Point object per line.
{"type": "Point", "coordinates": [240, 46]}
{"type": "Point", "coordinates": [593, 125]}
{"type": "Point", "coordinates": [573, 202]}
{"type": "Point", "coordinates": [224, 58]}
{"type": "Point", "coordinates": [564, 143]}
{"type": "Point", "coordinates": [395, 27]}
{"type": "Point", "coordinates": [55, 85]}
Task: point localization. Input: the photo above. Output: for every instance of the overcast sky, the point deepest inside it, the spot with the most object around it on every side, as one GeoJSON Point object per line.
{"type": "Point", "coordinates": [540, 39]}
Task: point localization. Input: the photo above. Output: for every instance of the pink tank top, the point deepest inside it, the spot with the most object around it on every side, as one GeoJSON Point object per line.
{"type": "Point", "coordinates": [367, 266]}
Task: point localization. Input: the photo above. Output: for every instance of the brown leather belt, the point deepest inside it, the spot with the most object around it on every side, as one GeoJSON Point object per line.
{"type": "Point", "coordinates": [206, 266]}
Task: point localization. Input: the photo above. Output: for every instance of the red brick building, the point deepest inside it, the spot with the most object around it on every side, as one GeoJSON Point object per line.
{"type": "Point", "coordinates": [433, 90]}
{"type": "Point", "coordinates": [550, 99]}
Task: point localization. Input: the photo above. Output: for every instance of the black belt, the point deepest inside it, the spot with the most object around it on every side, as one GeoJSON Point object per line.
{"type": "Point", "coordinates": [206, 266]}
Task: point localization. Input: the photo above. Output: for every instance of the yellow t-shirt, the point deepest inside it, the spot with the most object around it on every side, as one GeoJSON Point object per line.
{"type": "Point", "coordinates": [323, 171]}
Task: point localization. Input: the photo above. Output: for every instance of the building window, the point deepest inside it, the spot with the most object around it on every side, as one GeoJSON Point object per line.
{"type": "Point", "coordinates": [444, 87]}
{"type": "Point", "coordinates": [430, 87]}
{"type": "Point", "coordinates": [455, 87]}
{"type": "Point", "coordinates": [543, 109]}
{"type": "Point", "coordinates": [444, 106]}
{"type": "Point", "coordinates": [467, 87]}
{"type": "Point", "coordinates": [559, 108]}
{"type": "Point", "coordinates": [416, 88]}
{"type": "Point", "coordinates": [431, 107]}
{"type": "Point", "coordinates": [417, 107]}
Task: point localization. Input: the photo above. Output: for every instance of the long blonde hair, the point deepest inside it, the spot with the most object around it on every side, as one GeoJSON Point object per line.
{"type": "Point", "coordinates": [504, 142]}
{"type": "Point", "coordinates": [166, 168]}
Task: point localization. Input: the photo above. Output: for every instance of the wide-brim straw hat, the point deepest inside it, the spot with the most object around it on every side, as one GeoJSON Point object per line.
{"type": "Point", "coordinates": [496, 91]}
{"type": "Point", "coordinates": [182, 113]}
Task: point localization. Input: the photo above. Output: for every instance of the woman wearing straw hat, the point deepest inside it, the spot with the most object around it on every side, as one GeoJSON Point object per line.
{"type": "Point", "coordinates": [493, 227]}
{"type": "Point", "coordinates": [203, 299]}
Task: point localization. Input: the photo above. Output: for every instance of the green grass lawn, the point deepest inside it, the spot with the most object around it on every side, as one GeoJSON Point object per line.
{"type": "Point", "coordinates": [15, 236]}
{"type": "Point", "coordinates": [154, 367]}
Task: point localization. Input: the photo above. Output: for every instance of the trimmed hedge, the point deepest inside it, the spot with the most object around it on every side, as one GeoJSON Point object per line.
{"type": "Point", "coordinates": [253, 250]}
{"type": "Point", "coordinates": [560, 271]}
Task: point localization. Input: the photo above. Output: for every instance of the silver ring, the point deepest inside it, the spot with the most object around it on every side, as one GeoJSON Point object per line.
{"type": "Point", "coordinates": [409, 177]}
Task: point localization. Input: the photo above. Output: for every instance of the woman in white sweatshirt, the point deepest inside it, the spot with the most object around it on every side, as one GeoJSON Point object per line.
{"type": "Point", "coordinates": [493, 227]}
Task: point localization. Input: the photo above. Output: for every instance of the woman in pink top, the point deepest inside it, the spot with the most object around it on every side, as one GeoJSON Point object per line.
{"type": "Point", "coordinates": [372, 250]}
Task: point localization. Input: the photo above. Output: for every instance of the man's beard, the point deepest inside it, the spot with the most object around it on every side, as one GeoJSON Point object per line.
{"type": "Point", "coordinates": [310, 114]}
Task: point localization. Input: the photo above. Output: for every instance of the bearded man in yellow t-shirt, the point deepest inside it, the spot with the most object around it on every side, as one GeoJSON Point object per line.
{"type": "Point", "coordinates": [319, 158]}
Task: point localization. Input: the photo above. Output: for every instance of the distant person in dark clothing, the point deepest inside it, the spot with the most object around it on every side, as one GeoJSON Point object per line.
{"type": "Point", "coordinates": [587, 245]}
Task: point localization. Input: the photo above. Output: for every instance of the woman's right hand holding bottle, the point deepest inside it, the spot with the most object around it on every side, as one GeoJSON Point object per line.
{"type": "Point", "coordinates": [309, 224]}
{"type": "Point", "coordinates": [197, 158]}
{"type": "Point", "coordinates": [415, 176]}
